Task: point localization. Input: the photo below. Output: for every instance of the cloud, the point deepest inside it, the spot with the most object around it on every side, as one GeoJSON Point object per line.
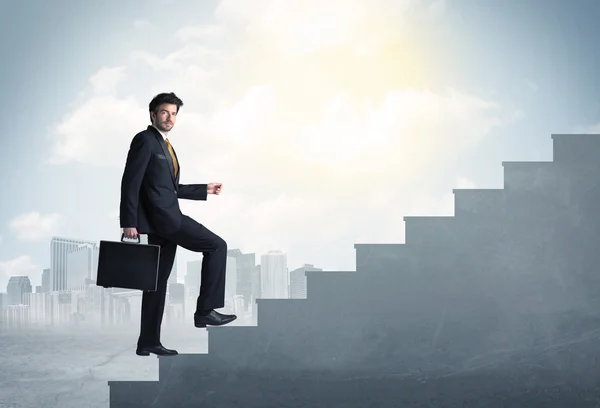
{"type": "Point", "coordinates": [98, 132]}
{"type": "Point", "coordinates": [180, 60]}
{"type": "Point", "coordinates": [20, 266]}
{"type": "Point", "coordinates": [34, 226]}
{"type": "Point", "coordinates": [463, 182]}
{"type": "Point", "coordinates": [106, 79]}
{"type": "Point", "coordinates": [299, 28]}
{"type": "Point", "coordinates": [293, 27]}
{"type": "Point", "coordinates": [321, 140]}
{"type": "Point", "coordinates": [201, 32]}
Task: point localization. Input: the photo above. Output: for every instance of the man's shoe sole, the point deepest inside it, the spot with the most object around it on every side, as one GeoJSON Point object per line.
{"type": "Point", "coordinates": [202, 325]}
{"type": "Point", "coordinates": [147, 353]}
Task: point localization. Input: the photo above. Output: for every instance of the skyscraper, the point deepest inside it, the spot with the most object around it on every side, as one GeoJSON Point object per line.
{"type": "Point", "coordinates": [230, 281]}
{"type": "Point", "coordinates": [298, 281]}
{"type": "Point", "coordinates": [255, 285]}
{"type": "Point", "coordinates": [245, 264]}
{"type": "Point", "coordinates": [59, 248]}
{"type": "Point", "coordinates": [16, 288]}
{"type": "Point", "coordinates": [46, 280]}
{"type": "Point", "coordinates": [192, 279]}
{"type": "Point", "coordinates": [82, 265]}
{"type": "Point", "coordinates": [274, 276]}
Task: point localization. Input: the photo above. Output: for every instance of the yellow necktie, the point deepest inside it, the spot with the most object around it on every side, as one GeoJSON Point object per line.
{"type": "Point", "coordinates": [175, 164]}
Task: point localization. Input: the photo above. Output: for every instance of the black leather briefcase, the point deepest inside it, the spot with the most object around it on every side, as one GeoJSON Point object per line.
{"type": "Point", "coordinates": [128, 265]}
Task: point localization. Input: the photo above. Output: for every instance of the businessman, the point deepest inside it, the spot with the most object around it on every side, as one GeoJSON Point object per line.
{"type": "Point", "coordinates": [149, 192]}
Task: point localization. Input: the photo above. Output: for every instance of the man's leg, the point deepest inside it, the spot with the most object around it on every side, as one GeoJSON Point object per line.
{"type": "Point", "coordinates": [197, 238]}
{"type": "Point", "coordinates": [153, 303]}
{"type": "Point", "coordinates": [212, 283]}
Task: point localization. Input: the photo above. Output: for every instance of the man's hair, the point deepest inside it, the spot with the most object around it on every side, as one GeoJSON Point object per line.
{"type": "Point", "coordinates": [163, 98]}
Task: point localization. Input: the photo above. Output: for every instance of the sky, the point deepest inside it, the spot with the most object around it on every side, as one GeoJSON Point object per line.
{"type": "Point", "coordinates": [326, 121]}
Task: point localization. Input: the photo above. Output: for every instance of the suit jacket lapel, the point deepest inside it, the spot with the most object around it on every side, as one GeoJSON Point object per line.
{"type": "Point", "coordinates": [178, 169]}
{"type": "Point", "coordinates": [165, 150]}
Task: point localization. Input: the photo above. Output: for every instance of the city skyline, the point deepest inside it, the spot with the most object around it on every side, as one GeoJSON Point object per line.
{"type": "Point", "coordinates": [38, 280]}
{"type": "Point", "coordinates": [70, 296]}
{"type": "Point", "coordinates": [76, 261]}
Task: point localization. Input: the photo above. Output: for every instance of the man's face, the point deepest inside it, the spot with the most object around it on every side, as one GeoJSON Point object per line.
{"type": "Point", "coordinates": [165, 117]}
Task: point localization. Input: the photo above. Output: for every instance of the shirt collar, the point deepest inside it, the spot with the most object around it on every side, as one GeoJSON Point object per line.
{"type": "Point", "coordinates": [164, 135]}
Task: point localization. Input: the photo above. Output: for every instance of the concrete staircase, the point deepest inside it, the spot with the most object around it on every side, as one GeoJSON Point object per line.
{"type": "Point", "coordinates": [461, 314]}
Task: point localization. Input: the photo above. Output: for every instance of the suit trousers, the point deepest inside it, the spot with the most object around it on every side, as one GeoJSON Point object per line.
{"type": "Point", "coordinates": [195, 237]}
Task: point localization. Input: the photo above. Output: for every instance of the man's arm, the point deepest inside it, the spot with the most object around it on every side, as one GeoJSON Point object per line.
{"type": "Point", "coordinates": [192, 191]}
{"type": "Point", "coordinates": [133, 175]}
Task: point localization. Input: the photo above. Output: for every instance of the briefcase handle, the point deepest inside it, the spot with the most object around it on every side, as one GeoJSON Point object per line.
{"type": "Point", "coordinates": [123, 238]}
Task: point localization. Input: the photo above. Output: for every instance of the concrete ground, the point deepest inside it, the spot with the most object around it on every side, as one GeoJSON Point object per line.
{"type": "Point", "coordinates": [70, 369]}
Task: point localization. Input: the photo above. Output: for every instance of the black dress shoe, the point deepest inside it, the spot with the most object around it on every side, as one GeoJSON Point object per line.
{"type": "Point", "coordinates": [158, 350]}
{"type": "Point", "coordinates": [212, 318]}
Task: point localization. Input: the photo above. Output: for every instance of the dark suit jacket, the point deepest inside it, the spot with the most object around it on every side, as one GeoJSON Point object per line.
{"type": "Point", "coordinates": [150, 189]}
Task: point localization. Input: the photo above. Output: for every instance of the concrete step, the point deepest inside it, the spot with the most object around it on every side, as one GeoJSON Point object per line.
{"type": "Point", "coordinates": [236, 344]}
{"type": "Point", "coordinates": [133, 394]}
{"type": "Point", "coordinates": [346, 294]}
{"type": "Point", "coordinates": [520, 385]}
{"type": "Point", "coordinates": [534, 176]}
{"type": "Point", "coordinates": [574, 185]}
{"type": "Point", "coordinates": [529, 207]}
{"type": "Point", "coordinates": [217, 333]}
{"type": "Point", "coordinates": [428, 230]}
{"type": "Point", "coordinates": [576, 149]}
{"type": "Point", "coordinates": [279, 312]}
{"type": "Point", "coordinates": [327, 284]}
{"type": "Point", "coordinates": [369, 254]}
{"type": "Point", "coordinates": [416, 380]}
{"type": "Point", "coordinates": [181, 363]}
{"type": "Point", "coordinates": [371, 257]}
{"type": "Point", "coordinates": [400, 262]}
{"type": "Point", "coordinates": [478, 202]}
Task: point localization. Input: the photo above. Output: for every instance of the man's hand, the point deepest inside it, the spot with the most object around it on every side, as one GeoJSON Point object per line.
{"type": "Point", "coordinates": [214, 188]}
{"type": "Point", "coordinates": [130, 233]}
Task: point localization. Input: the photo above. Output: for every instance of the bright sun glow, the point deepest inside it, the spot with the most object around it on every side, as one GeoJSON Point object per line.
{"type": "Point", "coordinates": [334, 82]}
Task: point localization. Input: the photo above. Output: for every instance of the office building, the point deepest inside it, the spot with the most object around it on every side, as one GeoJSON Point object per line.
{"type": "Point", "coordinates": [59, 249]}
{"type": "Point", "coordinates": [173, 275]}
{"type": "Point", "coordinates": [17, 287]}
{"type": "Point", "coordinates": [230, 281]}
{"type": "Point", "coordinates": [46, 280]}
{"type": "Point", "coordinates": [245, 264]}
{"type": "Point", "coordinates": [256, 286]}
{"type": "Point", "coordinates": [82, 266]}
{"type": "Point", "coordinates": [298, 281]}
{"type": "Point", "coordinates": [192, 279]}
{"type": "Point", "coordinates": [274, 275]}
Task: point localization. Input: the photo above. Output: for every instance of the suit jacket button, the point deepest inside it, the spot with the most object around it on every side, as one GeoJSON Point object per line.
{"type": "Point", "coordinates": [175, 191]}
